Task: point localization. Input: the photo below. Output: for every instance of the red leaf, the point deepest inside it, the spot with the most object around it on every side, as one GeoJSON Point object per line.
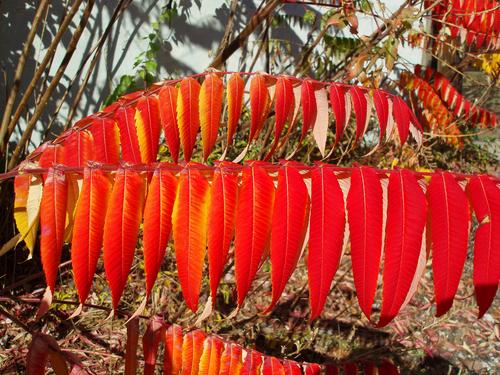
{"type": "Point", "coordinates": [309, 110]}
{"type": "Point", "coordinates": [147, 122]}
{"type": "Point", "coordinates": [259, 105]}
{"type": "Point", "coordinates": [106, 140]}
{"type": "Point", "coordinates": [211, 93]}
{"type": "Point", "coordinates": [51, 155]}
{"type": "Point", "coordinates": [387, 368]}
{"type": "Point", "coordinates": [210, 360]}
{"type": "Point", "coordinates": [231, 360]}
{"type": "Point", "coordinates": [340, 108]}
{"type": "Point", "coordinates": [192, 348]}
{"type": "Point", "coordinates": [221, 216]}
{"type": "Point", "coordinates": [42, 349]}
{"type": "Point", "coordinates": [121, 227]}
{"type": "Point", "coordinates": [289, 224]}
{"type": "Point", "coordinates": [124, 117]}
{"type": "Point", "coordinates": [189, 228]}
{"type": "Point", "coordinates": [253, 220]}
{"type": "Point", "coordinates": [131, 347]}
{"type": "Point", "coordinates": [485, 199]}
{"type": "Point", "coordinates": [168, 117]}
{"type": "Point", "coordinates": [406, 217]}
{"type": "Point", "coordinates": [449, 214]}
{"type": "Point", "coordinates": [350, 369]}
{"type": "Point", "coordinates": [188, 118]}
{"type": "Point", "coordinates": [326, 235]}
{"type": "Point", "coordinates": [157, 222]}
{"type": "Point", "coordinates": [172, 359]}
{"type": "Point", "coordinates": [78, 148]}
{"type": "Point", "coordinates": [88, 228]}
{"type": "Point", "coordinates": [283, 104]}
{"type": "Point", "coordinates": [252, 363]}
{"type": "Point", "coordinates": [291, 367]}
{"type": "Point", "coordinates": [360, 105]}
{"type": "Point", "coordinates": [332, 370]}
{"type": "Point", "coordinates": [401, 114]}
{"type": "Point", "coordinates": [364, 213]}
{"type": "Point", "coordinates": [52, 220]}
{"type": "Point", "coordinates": [312, 369]}
{"type": "Point", "coordinates": [382, 108]}
{"type": "Point", "coordinates": [235, 87]}
{"type": "Point", "coordinates": [272, 366]}
{"type": "Point", "coordinates": [151, 342]}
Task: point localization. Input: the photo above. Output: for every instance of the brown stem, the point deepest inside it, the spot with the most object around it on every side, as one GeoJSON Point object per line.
{"type": "Point", "coordinates": [229, 27]}
{"type": "Point", "coordinates": [242, 37]}
{"type": "Point", "coordinates": [120, 8]}
{"type": "Point", "coordinates": [55, 81]}
{"type": "Point", "coordinates": [50, 52]}
{"type": "Point", "coordinates": [303, 65]}
{"type": "Point", "coordinates": [19, 72]}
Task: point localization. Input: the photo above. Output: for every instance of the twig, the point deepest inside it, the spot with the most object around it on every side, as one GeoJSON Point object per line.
{"type": "Point", "coordinates": [41, 68]}
{"type": "Point", "coordinates": [19, 72]}
{"type": "Point", "coordinates": [119, 10]}
{"type": "Point", "coordinates": [242, 37]}
{"type": "Point", "coordinates": [55, 81]}
{"type": "Point", "coordinates": [229, 27]}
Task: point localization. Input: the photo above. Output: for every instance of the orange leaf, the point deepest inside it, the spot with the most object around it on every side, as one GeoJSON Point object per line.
{"type": "Point", "coordinates": [88, 229]}
{"type": "Point", "coordinates": [189, 228]}
{"type": "Point", "coordinates": [124, 117]}
{"type": "Point", "coordinates": [192, 348]}
{"type": "Point", "coordinates": [210, 111]}
{"type": "Point", "coordinates": [121, 228]}
{"type": "Point", "coordinates": [172, 359]}
{"type": "Point", "coordinates": [147, 123]}
{"type": "Point", "coordinates": [221, 216]}
{"type": "Point", "coordinates": [157, 222]}
{"type": "Point", "coordinates": [211, 358]}
{"type": "Point", "coordinates": [235, 86]}
{"type": "Point", "coordinates": [106, 140]}
{"type": "Point", "coordinates": [52, 220]}
{"type": "Point", "coordinates": [79, 148]}
{"type": "Point", "coordinates": [289, 224]}
{"type": "Point", "coordinates": [252, 363]}
{"type": "Point", "coordinates": [231, 360]}
{"type": "Point", "coordinates": [188, 118]}
{"type": "Point", "coordinates": [259, 105]}
{"type": "Point", "coordinates": [253, 220]}
{"type": "Point", "coordinates": [168, 115]}
{"type": "Point", "coordinates": [272, 366]}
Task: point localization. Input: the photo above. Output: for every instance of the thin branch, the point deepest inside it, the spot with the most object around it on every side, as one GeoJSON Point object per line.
{"type": "Point", "coordinates": [50, 52]}
{"type": "Point", "coordinates": [119, 10]}
{"type": "Point", "coordinates": [19, 72]}
{"type": "Point", "coordinates": [229, 27]}
{"type": "Point", "coordinates": [55, 81]}
{"type": "Point", "coordinates": [242, 37]}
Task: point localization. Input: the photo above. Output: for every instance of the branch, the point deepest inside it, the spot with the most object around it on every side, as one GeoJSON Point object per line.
{"type": "Point", "coordinates": [55, 81]}
{"type": "Point", "coordinates": [19, 72]}
{"type": "Point", "coordinates": [41, 68]}
{"type": "Point", "coordinates": [242, 37]}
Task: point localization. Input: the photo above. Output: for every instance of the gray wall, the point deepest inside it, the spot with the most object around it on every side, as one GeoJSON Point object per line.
{"type": "Point", "coordinates": [189, 44]}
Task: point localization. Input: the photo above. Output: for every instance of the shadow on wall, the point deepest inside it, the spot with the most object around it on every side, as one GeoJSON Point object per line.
{"type": "Point", "coordinates": [189, 42]}
{"type": "Point", "coordinates": [126, 41]}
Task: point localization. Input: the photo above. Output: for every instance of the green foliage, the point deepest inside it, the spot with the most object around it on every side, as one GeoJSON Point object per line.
{"type": "Point", "coordinates": [145, 65]}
